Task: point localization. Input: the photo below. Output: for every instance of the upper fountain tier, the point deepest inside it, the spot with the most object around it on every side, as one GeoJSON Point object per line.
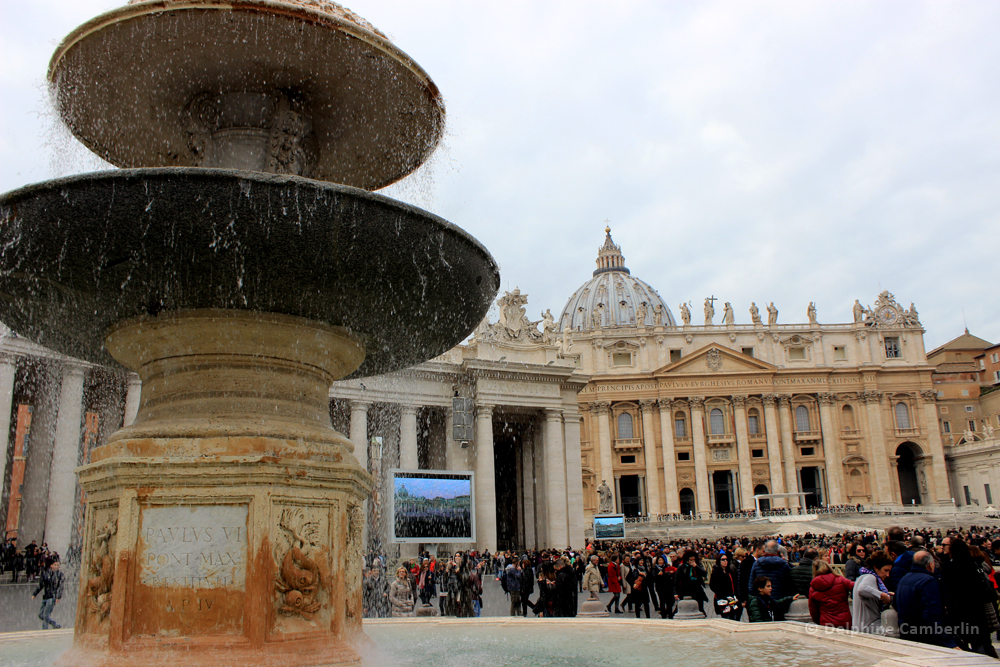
{"type": "Point", "coordinates": [290, 87]}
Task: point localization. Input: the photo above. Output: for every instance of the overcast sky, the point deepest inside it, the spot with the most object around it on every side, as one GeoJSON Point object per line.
{"type": "Point", "coordinates": [757, 151]}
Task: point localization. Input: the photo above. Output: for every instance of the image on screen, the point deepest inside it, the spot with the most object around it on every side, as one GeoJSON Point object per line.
{"type": "Point", "coordinates": [433, 506]}
{"type": "Point", "coordinates": [609, 527]}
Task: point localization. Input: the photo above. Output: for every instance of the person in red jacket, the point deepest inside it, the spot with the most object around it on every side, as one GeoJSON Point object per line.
{"type": "Point", "coordinates": [614, 584]}
{"type": "Point", "coordinates": [828, 593]}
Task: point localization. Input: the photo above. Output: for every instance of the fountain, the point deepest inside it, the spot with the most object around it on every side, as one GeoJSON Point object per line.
{"type": "Point", "coordinates": [239, 264]}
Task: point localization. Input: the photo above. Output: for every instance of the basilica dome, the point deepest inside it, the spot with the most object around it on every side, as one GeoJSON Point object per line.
{"type": "Point", "coordinates": [614, 297]}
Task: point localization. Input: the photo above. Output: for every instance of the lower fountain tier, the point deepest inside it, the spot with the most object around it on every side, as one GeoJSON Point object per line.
{"type": "Point", "coordinates": [220, 560]}
{"type": "Point", "coordinates": [81, 253]}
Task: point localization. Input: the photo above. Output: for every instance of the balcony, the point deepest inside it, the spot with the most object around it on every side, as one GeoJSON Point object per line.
{"type": "Point", "coordinates": [718, 439]}
{"type": "Point", "coordinates": [807, 436]}
{"type": "Point", "coordinates": [628, 444]}
{"type": "Point", "coordinates": [907, 432]}
{"type": "Point", "coordinates": [850, 434]}
{"type": "Point", "coordinates": [757, 437]}
{"type": "Point", "coordinates": [685, 440]}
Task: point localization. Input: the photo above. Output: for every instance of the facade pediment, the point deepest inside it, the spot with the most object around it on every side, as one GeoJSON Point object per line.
{"type": "Point", "coordinates": [713, 359]}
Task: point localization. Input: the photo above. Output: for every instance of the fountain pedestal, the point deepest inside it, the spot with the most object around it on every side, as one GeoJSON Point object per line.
{"type": "Point", "coordinates": [211, 534]}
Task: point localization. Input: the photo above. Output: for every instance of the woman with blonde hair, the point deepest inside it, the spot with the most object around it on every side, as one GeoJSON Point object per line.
{"type": "Point", "coordinates": [401, 594]}
{"type": "Point", "coordinates": [828, 593]}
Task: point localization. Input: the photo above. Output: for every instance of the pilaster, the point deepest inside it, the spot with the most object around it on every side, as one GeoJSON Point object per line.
{"type": "Point", "coordinates": [788, 449]}
{"type": "Point", "coordinates": [773, 434]}
{"type": "Point", "coordinates": [669, 458]}
{"type": "Point", "coordinates": [486, 497]}
{"type": "Point", "coordinates": [649, 454]}
{"type": "Point", "coordinates": [831, 451]}
{"type": "Point", "coordinates": [743, 453]}
{"type": "Point", "coordinates": [700, 455]}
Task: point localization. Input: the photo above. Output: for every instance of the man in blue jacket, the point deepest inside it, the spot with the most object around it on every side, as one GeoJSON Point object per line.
{"type": "Point", "coordinates": [775, 568]}
{"type": "Point", "coordinates": [918, 602]}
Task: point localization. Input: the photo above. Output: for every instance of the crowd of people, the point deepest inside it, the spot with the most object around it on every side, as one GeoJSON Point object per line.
{"type": "Point", "coordinates": [25, 564]}
{"type": "Point", "coordinates": [941, 584]}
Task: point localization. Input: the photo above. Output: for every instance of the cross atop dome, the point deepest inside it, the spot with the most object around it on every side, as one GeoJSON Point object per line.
{"type": "Point", "coordinates": [609, 255]}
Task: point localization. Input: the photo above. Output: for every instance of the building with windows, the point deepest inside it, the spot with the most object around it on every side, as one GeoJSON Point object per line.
{"type": "Point", "coordinates": [674, 416]}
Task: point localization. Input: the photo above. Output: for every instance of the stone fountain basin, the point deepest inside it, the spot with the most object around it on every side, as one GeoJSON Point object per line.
{"type": "Point", "coordinates": [80, 253]}
{"type": "Point", "coordinates": [123, 79]}
{"type": "Point", "coordinates": [588, 643]}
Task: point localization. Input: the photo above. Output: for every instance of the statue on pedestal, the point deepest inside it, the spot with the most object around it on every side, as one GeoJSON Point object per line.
{"type": "Point", "coordinates": [754, 313]}
{"type": "Point", "coordinates": [772, 314]}
{"type": "Point", "coordinates": [859, 312]}
{"type": "Point", "coordinates": [709, 311]}
{"type": "Point", "coordinates": [604, 496]}
{"type": "Point", "coordinates": [727, 315]}
{"type": "Point", "coordinates": [811, 312]}
{"type": "Point", "coordinates": [685, 314]}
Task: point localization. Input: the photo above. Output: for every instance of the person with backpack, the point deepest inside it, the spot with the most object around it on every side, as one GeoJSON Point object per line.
{"type": "Point", "coordinates": [510, 582]}
{"type": "Point", "coordinates": [640, 587]}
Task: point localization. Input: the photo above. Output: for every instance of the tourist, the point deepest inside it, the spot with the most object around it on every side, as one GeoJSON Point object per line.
{"type": "Point", "coordinates": [512, 583]}
{"type": "Point", "coordinates": [802, 574]}
{"type": "Point", "coordinates": [746, 567]}
{"type": "Point", "coordinates": [640, 585]}
{"type": "Point", "coordinates": [625, 570]}
{"type": "Point", "coordinates": [966, 594]}
{"type": "Point", "coordinates": [723, 585]}
{"type": "Point", "coordinates": [775, 568]}
{"type": "Point", "coordinates": [614, 584]}
{"type": "Point", "coordinates": [855, 561]}
{"type": "Point", "coordinates": [476, 587]}
{"type": "Point", "coordinates": [871, 594]}
{"type": "Point", "coordinates": [564, 593]}
{"type": "Point", "coordinates": [50, 584]}
{"type": "Point", "coordinates": [690, 580]}
{"type": "Point", "coordinates": [425, 583]}
{"type": "Point", "coordinates": [592, 578]}
{"type": "Point", "coordinates": [545, 604]}
{"type": "Point", "coordinates": [918, 601]}
{"type": "Point", "coordinates": [459, 587]}
{"type": "Point", "coordinates": [762, 607]}
{"type": "Point", "coordinates": [527, 585]}
{"type": "Point", "coordinates": [899, 553]}
{"type": "Point", "coordinates": [663, 583]}
{"type": "Point", "coordinates": [401, 594]}
{"type": "Point", "coordinates": [828, 597]}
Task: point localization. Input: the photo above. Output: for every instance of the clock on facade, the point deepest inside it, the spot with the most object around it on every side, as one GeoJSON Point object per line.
{"type": "Point", "coordinates": [887, 315]}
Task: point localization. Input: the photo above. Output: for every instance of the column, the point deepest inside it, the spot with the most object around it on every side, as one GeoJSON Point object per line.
{"type": "Point", "coordinates": [788, 450]}
{"type": "Point", "coordinates": [831, 451]}
{"type": "Point", "coordinates": [528, 488]}
{"type": "Point", "coordinates": [603, 412]}
{"type": "Point", "coordinates": [65, 453]}
{"type": "Point", "coordinates": [700, 455]}
{"type": "Point", "coordinates": [939, 472]}
{"type": "Point", "coordinates": [132, 395]}
{"type": "Point", "coordinates": [8, 372]}
{"type": "Point", "coordinates": [359, 431]}
{"type": "Point", "coordinates": [743, 453]}
{"type": "Point", "coordinates": [408, 457]}
{"type": "Point", "coordinates": [486, 496]}
{"type": "Point", "coordinates": [669, 458]}
{"type": "Point", "coordinates": [649, 454]}
{"type": "Point", "coordinates": [555, 480]}
{"type": "Point", "coordinates": [774, 450]}
{"type": "Point", "coordinates": [574, 478]}
{"type": "Point", "coordinates": [882, 488]}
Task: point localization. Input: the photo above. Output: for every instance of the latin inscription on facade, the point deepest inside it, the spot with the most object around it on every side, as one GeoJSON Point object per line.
{"type": "Point", "coordinates": [193, 546]}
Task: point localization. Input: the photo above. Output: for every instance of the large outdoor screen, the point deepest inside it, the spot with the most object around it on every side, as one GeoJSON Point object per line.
{"type": "Point", "coordinates": [433, 506]}
{"type": "Point", "coordinates": [609, 527]}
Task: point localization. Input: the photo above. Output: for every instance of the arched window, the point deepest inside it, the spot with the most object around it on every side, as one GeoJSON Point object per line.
{"type": "Point", "coordinates": [802, 418]}
{"type": "Point", "coordinates": [624, 426]}
{"type": "Point", "coordinates": [716, 422]}
{"type": "Point", "coordinates": [753, 421]}
{"type": "Point", "coordinates": [680, 425]}
{"type": "Point", "coordinates": [902, 415]}
{"type": "Point", "coordinates": [847, 417]}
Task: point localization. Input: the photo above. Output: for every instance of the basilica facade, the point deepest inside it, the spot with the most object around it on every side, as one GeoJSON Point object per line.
{"type": "Point", "coordinates": [613, 402]}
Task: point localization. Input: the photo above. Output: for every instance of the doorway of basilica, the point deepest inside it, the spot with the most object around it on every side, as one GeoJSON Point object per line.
{"type": "Point", "coordinates": [906, 468]}
{"type": "Point", "coordinates": [722, 484]}
{"type": "Point", "coordinates": [810, 480]}
{"type": "Point", "coordinates": [628, 487]}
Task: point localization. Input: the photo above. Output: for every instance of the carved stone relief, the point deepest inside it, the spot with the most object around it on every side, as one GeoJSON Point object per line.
{"type": "Point", "coordinates": [101, 567]}
{"type": "Point", "coordinates": [302, 582]}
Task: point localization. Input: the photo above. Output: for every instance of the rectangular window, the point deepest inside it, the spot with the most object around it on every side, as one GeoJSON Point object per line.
{"type": "Point", "coordinates": [757, 453]}
{"type": "Point", "coordinates": [628, 458]}
{"type": "Point", "coordinates": [797, 353]}
{"type": "Point", "coordinates": [989, 494]}
{"type": "Point", "coordinates": [808, 451]}
{"type": "Point", "coordinates": [839, 353]}
{"type": "Point", "coordinates": [675, 355]}
{"type": "Point", "coordinates": [683, 456]}
{"type": "Point", "coordinates": [947, 427]}
{"type": "Point", "coordinates": [622, 358]}
{"type": "Point", "coordinates": [944, 409]}
{"type": "Point", "coordinates": [940, 394]}
{"type": "Point", "coordinates": [970, 408]}
{"type": "Point", "coordinates": [996, 376]}
{"type": "Point", "coordinates": [680, 428]}
{"type": "Point", "coordinates": [965, 392]}
{"type": "Point", "coordinates": [748, 351]}
{"type": "Point", "coordinates": [972, 425]}
{"type": "Point", "coordinates": [995, 358]}
{"type": "Point", "coordinates": [892, 348]}
{"type": "Point", "coordinates": [968, 496]}
{"type": "Point", "coordinates": [753, 423]}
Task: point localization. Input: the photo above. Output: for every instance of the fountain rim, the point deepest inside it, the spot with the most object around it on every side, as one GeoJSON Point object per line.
{"type": "Point", "coordinates": [257, 176]}
{"type": "Point", "coordinates": [313, 16]}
